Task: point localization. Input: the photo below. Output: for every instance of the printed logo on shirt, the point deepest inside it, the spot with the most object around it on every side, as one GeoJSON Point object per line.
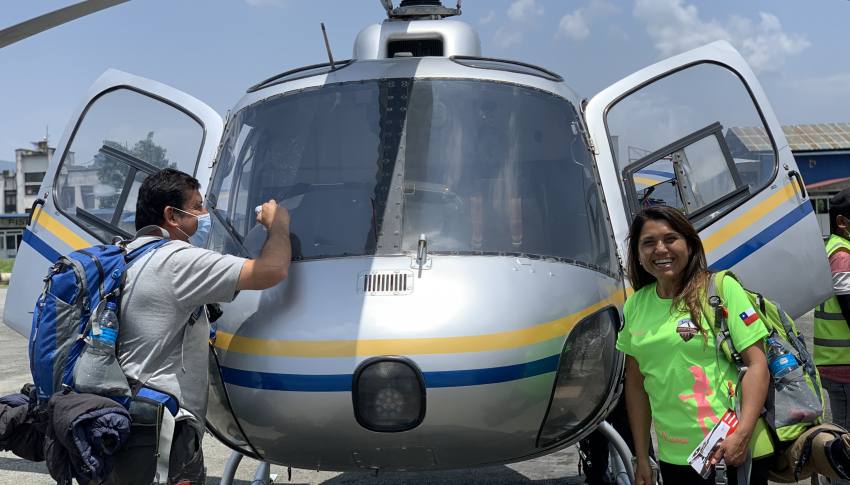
{"type": "Point", "coordinates": [686, 329]}
{"type": "Point", "coordinates": [701, 390]}
{"type": "Point", "coordinates": [673, 439]}
{"type": "Point", "coordinates": [749, 316]}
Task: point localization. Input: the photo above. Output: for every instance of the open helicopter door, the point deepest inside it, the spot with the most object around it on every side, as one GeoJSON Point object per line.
{"type": "Point", "coordinates": [696, 132]}
{"type": "Point", "coordinates": [127, 128]}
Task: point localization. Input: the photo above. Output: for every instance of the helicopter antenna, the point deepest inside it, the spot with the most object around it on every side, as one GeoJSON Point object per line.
{"type": "Point", "coordinates": [328, 47]}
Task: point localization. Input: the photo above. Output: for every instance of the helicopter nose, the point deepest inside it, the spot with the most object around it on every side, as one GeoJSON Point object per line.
{"type": "Point", "coordinates": [388, 394]}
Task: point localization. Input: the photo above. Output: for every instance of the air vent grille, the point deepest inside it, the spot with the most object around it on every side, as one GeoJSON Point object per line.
{"type": "Point", "coordinates": [395, 282]}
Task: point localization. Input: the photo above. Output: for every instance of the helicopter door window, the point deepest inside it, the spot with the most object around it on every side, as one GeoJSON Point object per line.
{"type": "Point", "coordinates": [723, 143]}
{"type": "Point", "coordinates": [111, 153]}
{"type": "Point", "coordinates": [695, 174]}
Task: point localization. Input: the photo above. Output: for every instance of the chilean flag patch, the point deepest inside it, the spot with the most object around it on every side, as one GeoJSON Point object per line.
{"type": "Point", "coordinates": [749, 316]}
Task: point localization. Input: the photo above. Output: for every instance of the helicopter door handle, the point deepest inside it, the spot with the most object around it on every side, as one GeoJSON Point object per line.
{"type": "Point", "coordinates": [36, 203]}
{"type": "Point", "coordinates": [796, 176]}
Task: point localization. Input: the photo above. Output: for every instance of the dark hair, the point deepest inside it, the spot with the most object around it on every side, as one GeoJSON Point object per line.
{"type": "Point", "coordinates": [839, 205]}
{"type": "Point", "coordinates": [696, 272]}
{"type": "Point", "coordinates": [168, 187]}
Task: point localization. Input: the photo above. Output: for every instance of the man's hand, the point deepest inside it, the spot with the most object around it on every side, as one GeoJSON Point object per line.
{"type": "Point", "coordinates": [272, 266]}
{"type": "Point", "coordinates": [271, 215]}
{"type": "Point", "coordinates": [643, 472]}
{"type": "Point", "coordinates": [733, 449]}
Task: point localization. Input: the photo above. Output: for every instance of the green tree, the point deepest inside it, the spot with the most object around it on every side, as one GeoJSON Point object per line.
{"type": "Point", "coordinates": [113, 172]}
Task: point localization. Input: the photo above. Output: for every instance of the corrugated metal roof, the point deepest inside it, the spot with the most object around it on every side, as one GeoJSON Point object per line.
{"type": "Point", "coordinates": [801, 138]}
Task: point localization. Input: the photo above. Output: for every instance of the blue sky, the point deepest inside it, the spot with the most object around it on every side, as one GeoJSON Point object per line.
{"type": "Point", "coordinates": [215, 49]}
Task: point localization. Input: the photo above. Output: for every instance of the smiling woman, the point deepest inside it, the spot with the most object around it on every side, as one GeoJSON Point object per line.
{"type": "Point", "coordinates": [674, 379]}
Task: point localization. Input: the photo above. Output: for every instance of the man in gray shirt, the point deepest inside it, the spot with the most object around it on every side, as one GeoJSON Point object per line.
{"type": "Point", "coordinates": [163, 338]}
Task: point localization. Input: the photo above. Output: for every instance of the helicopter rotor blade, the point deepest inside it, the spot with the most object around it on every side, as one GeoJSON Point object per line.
{"type": "Point", "coordinates": [52, 19]}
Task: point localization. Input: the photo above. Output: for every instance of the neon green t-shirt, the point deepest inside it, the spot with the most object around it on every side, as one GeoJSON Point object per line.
{"type": "Point", "coordinates": [687, 380]}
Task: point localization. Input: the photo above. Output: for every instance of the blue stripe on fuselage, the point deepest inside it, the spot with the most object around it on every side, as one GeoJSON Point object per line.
{"type": "Point", "coordinates": [343, 382]}
{"type": "Point", "coordinates": [768, 234]}
{"type": "Point", "coordinates": [40, 246]}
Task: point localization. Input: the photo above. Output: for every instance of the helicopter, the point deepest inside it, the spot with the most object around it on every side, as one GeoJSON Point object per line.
{"type": "Point", "coordinates": [459, 234]}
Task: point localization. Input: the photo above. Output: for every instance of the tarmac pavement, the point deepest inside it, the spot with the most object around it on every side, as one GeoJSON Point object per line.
{"type": "Point", "coordinates": [560, 467]}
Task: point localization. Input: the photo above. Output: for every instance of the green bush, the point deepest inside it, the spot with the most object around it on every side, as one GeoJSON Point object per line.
{"type": "Point", "coordinates": [6, 265]}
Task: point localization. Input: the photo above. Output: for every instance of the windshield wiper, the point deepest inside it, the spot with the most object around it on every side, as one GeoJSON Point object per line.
{"type": "Point", "coordinates": [231, 231]}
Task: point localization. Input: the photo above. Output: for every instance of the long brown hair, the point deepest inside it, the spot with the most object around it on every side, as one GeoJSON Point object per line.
{"type": "Point", "coordinates": [695, 276]}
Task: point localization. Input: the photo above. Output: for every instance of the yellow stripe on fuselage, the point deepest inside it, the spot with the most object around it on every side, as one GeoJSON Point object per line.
{"type": "Point", "coordinates": [648, 181]}
{"type": "Point", "coordinates": [749, 217]}
{"type": "Point", "coordinates": [57, 229]}
{"type": "Point", "coordinates": [413, 346]}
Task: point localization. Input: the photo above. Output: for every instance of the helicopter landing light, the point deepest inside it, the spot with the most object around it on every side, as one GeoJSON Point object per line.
{"type": "Point", "coordinates": [388, 394]}
{"type": "Point", "coordinates": [581, 383]}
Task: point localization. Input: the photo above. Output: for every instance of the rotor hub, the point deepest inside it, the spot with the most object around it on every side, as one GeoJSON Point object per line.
{"type": "Point", "coordinates": [419, 9]}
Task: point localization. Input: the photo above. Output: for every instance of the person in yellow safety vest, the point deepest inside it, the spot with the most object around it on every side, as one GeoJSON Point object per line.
{"type": "Point", "coordinates": [832, 330]}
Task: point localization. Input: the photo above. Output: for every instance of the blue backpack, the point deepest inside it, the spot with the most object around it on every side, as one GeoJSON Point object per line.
{"type": "Point", "coordinates": [76, 289]}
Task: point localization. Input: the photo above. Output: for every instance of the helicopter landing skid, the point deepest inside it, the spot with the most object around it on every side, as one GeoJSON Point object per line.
{"type": "Point", "coordinates": [262, 476]}
{"type": "Point", "coordinates": [622, 465]}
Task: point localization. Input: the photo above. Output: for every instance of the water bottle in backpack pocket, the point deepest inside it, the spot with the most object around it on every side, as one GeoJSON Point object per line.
{"type": "Point", "coordinates": [97, 370]}
{"type": "Point", "coordinates": [790, 399]}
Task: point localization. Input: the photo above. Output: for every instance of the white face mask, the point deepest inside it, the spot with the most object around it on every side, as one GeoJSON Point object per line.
{"type": "Point", "coordinates": [199, 237]}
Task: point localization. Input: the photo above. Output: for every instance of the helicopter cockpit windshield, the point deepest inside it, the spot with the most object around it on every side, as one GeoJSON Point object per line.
{"type": "Point", "coordinates": [366, 168]}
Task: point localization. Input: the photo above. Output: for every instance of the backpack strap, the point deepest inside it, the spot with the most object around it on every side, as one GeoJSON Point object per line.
{"type": "Point", "coordinates": [137, 253]}
{"type": "Point", "coordinates": [721, 318]}
{"type": "Point", "coordinates": [745, 469]}
{"type": "Point", "coordinates": [166, 423]}
{"type": "Point", "coordinates": [723, 335]}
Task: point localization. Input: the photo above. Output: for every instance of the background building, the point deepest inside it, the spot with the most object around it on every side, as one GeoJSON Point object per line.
{"type": "Point", "coordinates": [21, 182]}
{"type": "Point", "coordinates": [822, 152]}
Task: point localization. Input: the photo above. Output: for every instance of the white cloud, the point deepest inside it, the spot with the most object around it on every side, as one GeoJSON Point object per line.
{"type": "Point", "coordinates": [816, 98]}
{"type": "Point", "coordinates": [524, 10]}
{"type": "Point", "coordinates": [520, 15]}
{"type": "Point", "coordinates": [617, 32]}
{"type": "Point", "coordinates": [491, 15]}
{"type": "Point", "coordinates": [266, 3]}
{"type": "Point", "coordinates": [576, 25]}
{"type": "Point", "coordinates": [835, 85]}
{"type": "Point", "coordinates": [675, 26]}
{"type": "Point", "coordinates": [508, 37]}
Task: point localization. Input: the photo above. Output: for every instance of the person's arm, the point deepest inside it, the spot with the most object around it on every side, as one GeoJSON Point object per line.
{"type": "Point", "coordinates": [637, 404]}
{"type": "Point", "coordinates": [839, 265]}
{"type": "Point", "coordinates": [752, 393]}
{"type": "Point", "coordinates": [272, 266]}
